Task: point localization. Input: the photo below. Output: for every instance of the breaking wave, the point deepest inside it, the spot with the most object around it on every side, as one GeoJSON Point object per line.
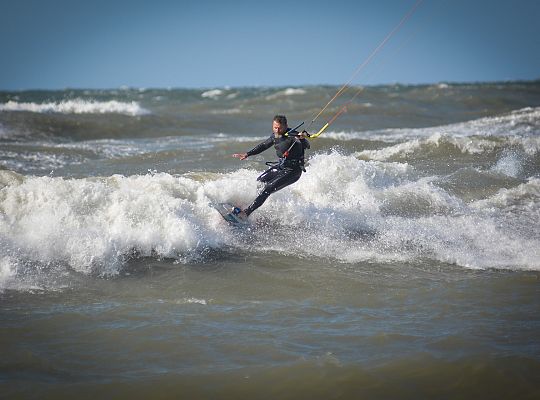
{"type": "Point", "coordinates": [348, 210]}
{"type": "Point", "coordinates": [78, 106]}
{"type": "Point", "coordinates": [519, 123]}
{"type": "Point", "coordinates": [440, 144]}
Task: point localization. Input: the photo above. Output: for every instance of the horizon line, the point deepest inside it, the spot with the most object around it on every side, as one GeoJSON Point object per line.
{"type": "Point", "coordinates": [227, 87]}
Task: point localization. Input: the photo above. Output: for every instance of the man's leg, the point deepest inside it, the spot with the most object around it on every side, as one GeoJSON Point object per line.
{"type": "Point", "coordinates": [282, 179]}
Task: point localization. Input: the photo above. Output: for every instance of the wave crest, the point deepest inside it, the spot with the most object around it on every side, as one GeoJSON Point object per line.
{"type": "Point", "coordinates": [78, 106]}
{"type": "Point", "coordinates": [345, 209]}
{"type": "Point", "coordinates": [445, 144]}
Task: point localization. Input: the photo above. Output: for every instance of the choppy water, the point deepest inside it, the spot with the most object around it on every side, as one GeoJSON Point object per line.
{"type": "Point", "coordinates": [404, 263]}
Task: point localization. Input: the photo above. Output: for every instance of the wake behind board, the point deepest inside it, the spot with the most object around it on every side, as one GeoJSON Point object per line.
{"type": "Point", "coordinates": [226, 211]}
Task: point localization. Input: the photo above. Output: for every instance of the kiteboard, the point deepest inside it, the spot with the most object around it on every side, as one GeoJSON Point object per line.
{"type": "Point", "coordinates": [226, 211]}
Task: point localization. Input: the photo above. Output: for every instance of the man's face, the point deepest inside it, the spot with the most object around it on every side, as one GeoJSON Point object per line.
{"type": "Point", "coordinates": [278, 128]}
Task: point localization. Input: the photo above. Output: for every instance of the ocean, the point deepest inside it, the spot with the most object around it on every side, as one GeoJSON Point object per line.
{"type": "Point", "coordinates": [404, 263]}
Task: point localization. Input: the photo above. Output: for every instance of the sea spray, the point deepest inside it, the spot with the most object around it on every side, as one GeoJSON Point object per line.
{"type": "Point", "coordinates": [92, 224]}
{"type": "Point", "coordinates": [345, 208]}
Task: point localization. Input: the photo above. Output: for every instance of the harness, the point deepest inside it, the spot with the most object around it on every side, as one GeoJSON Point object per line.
{"type": "Point", "coordinates": [284, 162]}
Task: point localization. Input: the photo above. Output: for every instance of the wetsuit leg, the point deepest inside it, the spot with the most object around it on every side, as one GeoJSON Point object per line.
{"type": "Point", "coordinates": [268, 175]}
{"type": "Point", "coordinates": [282, 178]}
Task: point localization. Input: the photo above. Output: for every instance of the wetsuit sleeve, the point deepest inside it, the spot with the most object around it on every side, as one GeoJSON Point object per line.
{"type": "Point", "coordinates": [261, 147]}
{"type": "Point", "coordinates": [305, 143]}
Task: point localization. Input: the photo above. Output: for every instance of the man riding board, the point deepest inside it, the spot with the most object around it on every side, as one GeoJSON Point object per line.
{"type": "Point", "coordinates": [290, 146]}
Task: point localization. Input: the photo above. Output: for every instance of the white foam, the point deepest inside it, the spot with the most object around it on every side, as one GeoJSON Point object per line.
{"type": "Point", "coordinates": [193, 300]}
{"type": "Point", "coordinates": [470, 240]}
{"type": "Point", "coordinates": [78, 106]}
{"type": "Point", "coordinates": [285, 93]}
{"type": "Point", "coordinates": [466, 145]}
{"type": "Point", "coordinates": [223, 137]}
{"type": "Point", "coordinates": [48, 159]}
{"type": "Point", "coordinates": [525, 196]}
{"type": "Point", "coordinates": [343, 208]}
{"type": "Point", "coordinates": [231, 111]}
{"type": "Point", "coordinates": [293, 91]}
{"type": "Point", "coordinates": [385, 153]}
{"type": "Point", "coordinates": [37, 161]}
{"type": "Point", "coordinates": [404, 217]}
{"type": "Point", "coordinates": [519, 126]}
{"type": "Point", "coordinates": [112, 148]}
{"type": "Point", "coordinates": [509, 164]}
{"type": "Point", "coordinates": [212, 94]}
{"type": "Point", "coordinates": [339, 181]}
{"type": "Point", "coordinates": [7, 272]}
{"type": "Point", "coordinates": [530, 145]}
{"type": "Point", "coordinates": [93, 224]}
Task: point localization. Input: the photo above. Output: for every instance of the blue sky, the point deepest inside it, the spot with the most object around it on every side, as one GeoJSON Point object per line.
{"type": "Point", "coordinates": [52, 44]}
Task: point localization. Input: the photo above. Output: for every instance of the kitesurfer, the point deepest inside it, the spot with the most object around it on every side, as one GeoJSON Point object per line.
{"type": "Point", "coordinates": [290, 145]}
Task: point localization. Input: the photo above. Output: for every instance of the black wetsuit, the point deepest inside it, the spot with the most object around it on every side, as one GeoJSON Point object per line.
{"type": "Point", "coordinates": [288, 170]}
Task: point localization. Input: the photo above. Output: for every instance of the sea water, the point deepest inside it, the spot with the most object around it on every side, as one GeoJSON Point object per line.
{"type": "Point", "coordinates": [403, 264]}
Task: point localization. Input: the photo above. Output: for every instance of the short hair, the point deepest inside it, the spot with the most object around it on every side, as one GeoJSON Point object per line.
{"type": "Point", "coordinates": [281, 119]}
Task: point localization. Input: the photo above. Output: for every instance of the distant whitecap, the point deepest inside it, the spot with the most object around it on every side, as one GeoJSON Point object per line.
{"type": "Point", "coordinates": [78, 106]}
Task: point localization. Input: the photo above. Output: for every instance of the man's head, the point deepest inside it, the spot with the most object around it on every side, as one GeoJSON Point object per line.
{"type": "Point", "coordinates": [279, 125]}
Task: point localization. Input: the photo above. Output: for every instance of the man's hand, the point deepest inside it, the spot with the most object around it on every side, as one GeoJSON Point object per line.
{"type": "Point", "coordinates": [303, 135]}
{"type": "Point", "coordinates": [241, 156]}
